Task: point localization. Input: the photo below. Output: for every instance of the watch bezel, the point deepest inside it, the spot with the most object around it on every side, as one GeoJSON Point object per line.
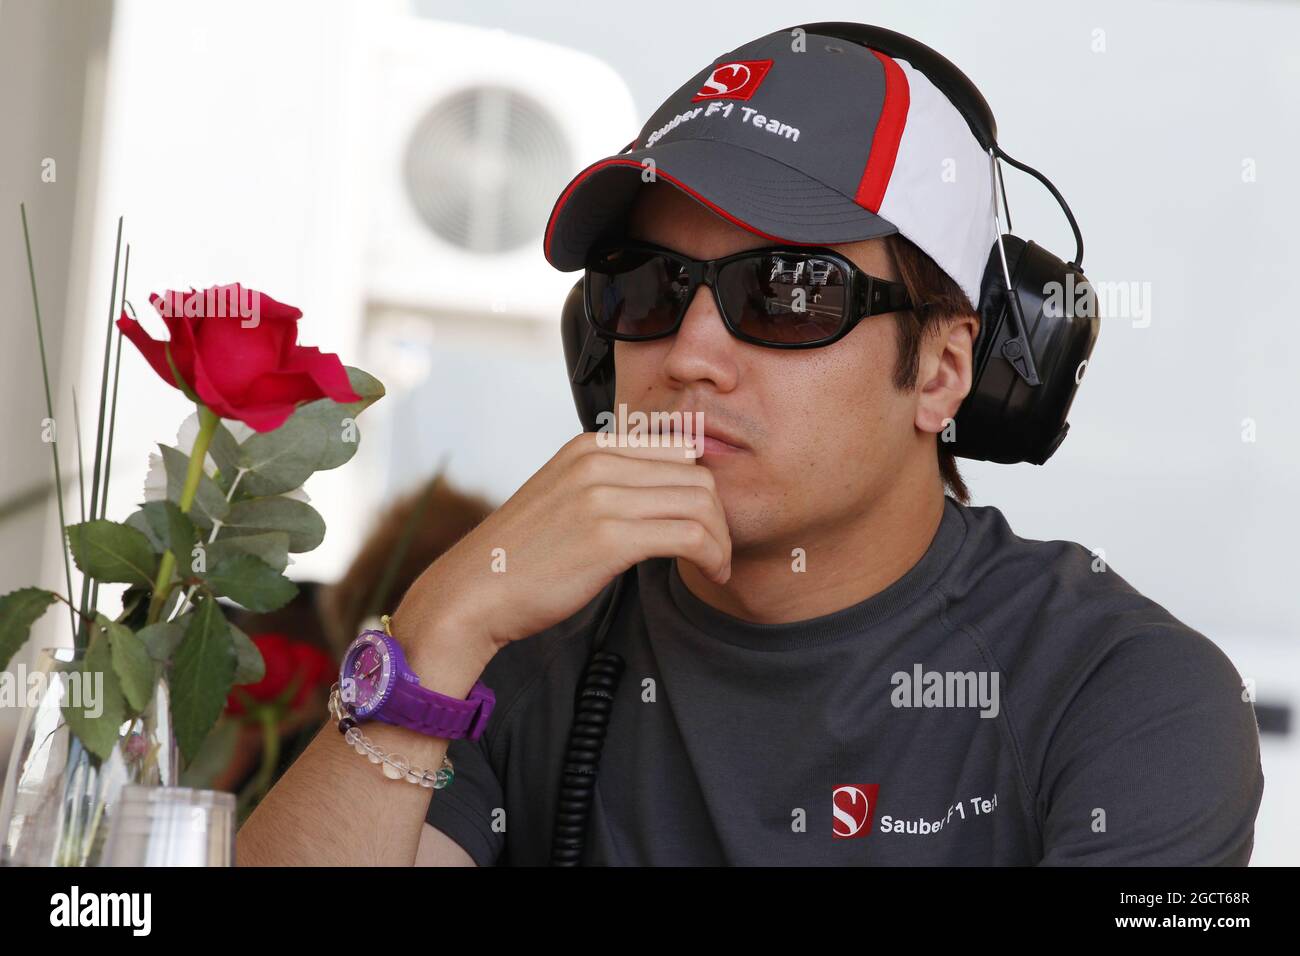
{"type": "Point", "coordinates": [390, 659]}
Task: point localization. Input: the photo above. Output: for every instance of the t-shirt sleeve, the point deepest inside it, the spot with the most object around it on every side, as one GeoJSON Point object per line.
{"type": "Point", "coordinates": [1155, 761]}
{"type": "Point", "coordinates": [465, 809]}
{"type": "Point", "coordinates": [471, 810]}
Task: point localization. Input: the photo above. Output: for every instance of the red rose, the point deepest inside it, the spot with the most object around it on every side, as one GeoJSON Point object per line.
{"type": "Point", "coordinates": [286, 660]}
{"type": "Point", "coordinates": [316, 669]}
{"type": "Point", "coordinates": [237, 350]}
{"type": "Point", "coordinates": [280, 668]}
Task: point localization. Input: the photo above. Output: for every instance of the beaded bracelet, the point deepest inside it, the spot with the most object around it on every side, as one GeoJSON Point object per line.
{"type": "Point", "coordinates": [394, 765]}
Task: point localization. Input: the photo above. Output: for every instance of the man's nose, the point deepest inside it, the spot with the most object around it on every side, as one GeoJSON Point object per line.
{"type": "Point", "coordinates": [702, 347]}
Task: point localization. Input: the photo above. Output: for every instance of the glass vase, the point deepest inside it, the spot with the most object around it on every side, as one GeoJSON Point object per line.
{"type": "Point", "coordinates": [59, 797]}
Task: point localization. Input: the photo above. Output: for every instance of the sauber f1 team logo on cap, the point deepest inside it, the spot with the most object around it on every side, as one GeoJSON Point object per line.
{"type": "Point", "coordinates": [852, 806]}
{"type": "Point", "coordinates": [734, 81]}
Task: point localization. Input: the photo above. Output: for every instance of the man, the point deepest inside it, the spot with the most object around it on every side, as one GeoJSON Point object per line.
{"type": "Point", "coordinates": [828, 661]}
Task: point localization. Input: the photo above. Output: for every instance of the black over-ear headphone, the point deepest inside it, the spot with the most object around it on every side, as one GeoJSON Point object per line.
{"type": "Point", "coordinates": [1025, 373]}
{"type": "Point", "coordinates": [1025, 377]}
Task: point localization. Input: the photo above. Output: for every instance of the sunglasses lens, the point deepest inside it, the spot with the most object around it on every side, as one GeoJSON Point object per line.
{"type": "Point", "coordinates": [785, 299]}
{"type": "Point", "coordinates": [635, 293]}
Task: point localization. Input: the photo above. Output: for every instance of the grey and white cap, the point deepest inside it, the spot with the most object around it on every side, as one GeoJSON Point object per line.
{"type": "Point", "coordinates": [802, 139]}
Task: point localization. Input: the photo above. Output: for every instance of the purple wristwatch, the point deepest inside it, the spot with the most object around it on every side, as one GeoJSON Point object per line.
{"type": "Point", "coordinates": [376, 684]}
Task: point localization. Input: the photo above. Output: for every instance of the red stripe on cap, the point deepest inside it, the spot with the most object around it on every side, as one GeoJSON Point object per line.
{"type": "Point", "coordinates": [615, 161]}
{"type": "Point", "coordinates": [885, 140]}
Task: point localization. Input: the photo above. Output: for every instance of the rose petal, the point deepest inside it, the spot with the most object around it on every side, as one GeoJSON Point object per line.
{"type": "Point", "coordinates": [325, 370]}
{"type": "Point", "coordinates": [261, 418]}
{"type": "Point", "coordinates": [154, 352]}
{"type": "Point", "coordinates": [267, 307]}
{"type": "Point", "coordinates": [281, 386]}
{"type": "Point", "coordinates": [273, 398]}
{"type": "Point", "coordinates": [210, 395]}
{"type": "Point", "coordinates": [181, 331]}
{"type": "Point", "coordinates": [234, 356]}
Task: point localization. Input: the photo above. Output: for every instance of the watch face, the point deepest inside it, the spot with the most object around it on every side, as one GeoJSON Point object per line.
{"type": "Point", "coordinates": [367, 674]}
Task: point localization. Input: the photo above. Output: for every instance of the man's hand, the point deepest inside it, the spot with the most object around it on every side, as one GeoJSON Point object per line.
{"type": "Point", "coordinates": [586, 516]}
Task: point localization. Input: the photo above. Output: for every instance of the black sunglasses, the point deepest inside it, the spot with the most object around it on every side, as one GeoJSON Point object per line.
{"type": "Point", "coordinates": [778, 296]}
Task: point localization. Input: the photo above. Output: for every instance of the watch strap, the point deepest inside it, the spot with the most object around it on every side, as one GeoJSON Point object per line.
{"type": "Point", "coordinates": [438, 715]}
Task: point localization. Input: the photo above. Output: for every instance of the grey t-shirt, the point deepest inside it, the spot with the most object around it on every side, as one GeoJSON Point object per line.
{"type": "Point", "coordinates": [1006, 702]}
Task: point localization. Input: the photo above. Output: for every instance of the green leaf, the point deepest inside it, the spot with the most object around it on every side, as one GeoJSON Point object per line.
{"type": "Point", "coordinates": [95, 714]}
{"type": "Point", "coordinates": [305, 527]}
{"type": "Point", "coordinates": [172, 527]}
{"type": "Point", "coordinates": [136, 672]}
{"type": "Point", "coordinates": [335, 424]}
{"type": "Point", "coordinates": [19, 610]}
{"type": "Point", "coordinates": [366, 385]}
{"type": "Point", "coordinates": [224, 450]}
{"type": "Point", "coordinates": [271, 546]}
{"type": "Point", "coordinates": [162, 639]}
{"type": "Point", "coordinates": [337, 420]}
{"type": "Point", "coordinates": [281, 460]}
{"type": "Point", "coordinates": [249, 666]}
{"type": "Point", "coordinates": [202, 672]}
{"type": "Point", "coordinates": [108, 551]}
{"type": "Point", "coordinates": [209, 502]}
{"type": "Point", "coordinates": [140, 521]}
{"type": "Point", "coordinates": [214, 756]}
{"type": "Point", "coordinates": [180, 532]}
{"type": "Point", "coordinates": [251, 582]}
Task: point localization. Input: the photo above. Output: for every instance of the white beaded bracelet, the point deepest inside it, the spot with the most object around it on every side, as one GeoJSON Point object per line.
{"type": "Point", "coordinates": [394, 765]}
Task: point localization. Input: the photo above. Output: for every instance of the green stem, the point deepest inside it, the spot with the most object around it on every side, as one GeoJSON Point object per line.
{"type": "Point", "coordinates": [87, 584]}
{"type": "Point", "coordinates": [208, 421]}
{"type": "Point", "coordinates": [54, 445]}
{"type": "Point", "coordinates": [269, 718]}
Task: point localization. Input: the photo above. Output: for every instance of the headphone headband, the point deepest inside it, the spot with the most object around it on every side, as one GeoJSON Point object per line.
{"type": "Point", "coordinates": [940, 71]}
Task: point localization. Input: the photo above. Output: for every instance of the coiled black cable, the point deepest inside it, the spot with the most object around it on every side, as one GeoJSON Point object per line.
{"type": "Point", "coordinates": [593, 704]}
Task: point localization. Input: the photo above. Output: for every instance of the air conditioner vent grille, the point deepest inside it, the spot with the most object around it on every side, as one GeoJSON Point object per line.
{"type": "Point", "coordinates": [483, 168]}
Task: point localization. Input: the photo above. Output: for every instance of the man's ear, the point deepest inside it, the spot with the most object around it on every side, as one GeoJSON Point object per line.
{"type": "Point", "coordinates": [945, 371]}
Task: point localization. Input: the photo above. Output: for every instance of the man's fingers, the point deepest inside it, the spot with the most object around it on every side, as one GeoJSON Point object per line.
{"type": "Point", "coordinates": [639, 472]}
{"type": "Point", "coordinates": [641, 538]}
{"type": "Point", "coordinates": [670, 501]}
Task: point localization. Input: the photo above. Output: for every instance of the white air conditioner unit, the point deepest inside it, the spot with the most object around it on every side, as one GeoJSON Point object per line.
{"type": "Point", "coordinates": [472, 135]}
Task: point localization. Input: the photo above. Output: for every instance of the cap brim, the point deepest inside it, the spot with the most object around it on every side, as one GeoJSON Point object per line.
{"type": "Point", "coordinates": [746, 188]}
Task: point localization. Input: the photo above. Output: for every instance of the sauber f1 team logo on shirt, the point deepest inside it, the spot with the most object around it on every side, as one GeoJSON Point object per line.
{"type": "Point", "coordinates": [734, 81]}
{"type": "Point", "coordinates": [852, 806]}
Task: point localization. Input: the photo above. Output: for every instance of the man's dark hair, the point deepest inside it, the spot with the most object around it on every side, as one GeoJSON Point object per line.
{"type": "Point", "coordinates": [942, 299]}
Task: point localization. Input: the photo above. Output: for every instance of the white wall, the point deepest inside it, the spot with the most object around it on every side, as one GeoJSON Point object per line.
{"type": "Point", "coordinates": [50, 68]}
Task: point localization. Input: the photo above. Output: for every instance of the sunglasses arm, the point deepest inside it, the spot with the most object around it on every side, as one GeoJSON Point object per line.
{"type": "Point", "coordinates": [879, 296]}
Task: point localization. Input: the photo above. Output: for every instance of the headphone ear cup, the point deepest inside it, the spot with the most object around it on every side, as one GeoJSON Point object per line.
{"type": "Point", "coordinates": [590, 361]}
{"type": "Point", "coordinates": [1003, 419]}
